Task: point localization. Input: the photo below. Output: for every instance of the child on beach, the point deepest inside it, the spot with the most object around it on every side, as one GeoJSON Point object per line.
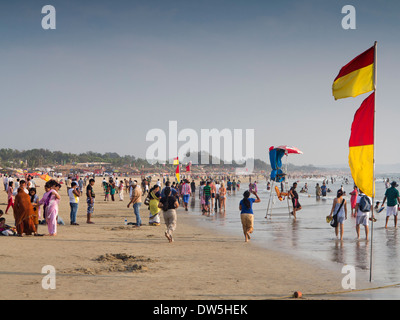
{"type": "Point", "coordinates": [36, 207]}
{"type": "Point", "coordinates": [10, 195]}
{"type": "Point", "coordinates": [5, 229]}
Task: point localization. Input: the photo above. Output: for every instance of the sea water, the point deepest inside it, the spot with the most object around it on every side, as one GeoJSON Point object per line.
{"type": "Point", "coordinates": [310, 237]}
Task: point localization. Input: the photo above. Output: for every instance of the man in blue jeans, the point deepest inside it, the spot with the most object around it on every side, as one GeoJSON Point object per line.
{"type": "Point", "coordinates": [136, 200]}
{"type": "Point", "coordinates": [74, 194]}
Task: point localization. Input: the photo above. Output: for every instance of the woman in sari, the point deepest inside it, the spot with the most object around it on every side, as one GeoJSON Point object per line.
{"type": "Point", "coordinates": [353, 201]}
{"type": "Point", "coordinates": [23, 212]}
{"type": "Point", "coordinates": [50, 202]}
{"type": "Point", "coordinates": [154, 196]}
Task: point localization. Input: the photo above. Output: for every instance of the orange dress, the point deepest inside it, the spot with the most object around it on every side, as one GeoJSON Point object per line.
{"type": "Point", "coordinates": [24, 213]}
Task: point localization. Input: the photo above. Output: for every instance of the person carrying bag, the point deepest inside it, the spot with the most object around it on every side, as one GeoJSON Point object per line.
{"type": "Point", "coordinates": [339, 207]}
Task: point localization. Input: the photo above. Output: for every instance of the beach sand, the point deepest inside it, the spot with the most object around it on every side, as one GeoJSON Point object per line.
{"type": "Point", "coordinates": [108, 260]}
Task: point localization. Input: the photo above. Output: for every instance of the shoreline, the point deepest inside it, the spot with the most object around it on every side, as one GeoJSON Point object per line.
{"type": "Point", "coordinates": [111, 261]}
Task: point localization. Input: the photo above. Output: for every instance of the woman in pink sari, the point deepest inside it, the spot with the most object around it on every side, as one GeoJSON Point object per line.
{"type": "Point", "coordinates": [50, 201]}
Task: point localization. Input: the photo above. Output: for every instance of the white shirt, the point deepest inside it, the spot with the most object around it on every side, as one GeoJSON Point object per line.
{"type": "Point", "coordinates": [73, 198]}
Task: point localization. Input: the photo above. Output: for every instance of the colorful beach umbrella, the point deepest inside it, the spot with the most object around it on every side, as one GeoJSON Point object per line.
{"type": "Point", "coordinates": [288, 149]}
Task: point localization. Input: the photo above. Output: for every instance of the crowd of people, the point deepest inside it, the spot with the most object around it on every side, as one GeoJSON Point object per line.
{"type": "Point", "coordinates": [362, 209]}
{"type": "Point", "coordinates": [29, 211]}
{"type": "Point", "coordinates": [162, 197]}
{"type": "Point", "coordinates": [166, 197]}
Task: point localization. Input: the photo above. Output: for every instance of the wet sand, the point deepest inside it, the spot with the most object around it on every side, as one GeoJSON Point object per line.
{"type": "Point", "coordinates": [108, 260]}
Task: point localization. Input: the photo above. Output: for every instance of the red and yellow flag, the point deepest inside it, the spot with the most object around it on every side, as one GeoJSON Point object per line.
{"type": "Point", "coordinates": [356, 77]}
{"type": "Point", "coordinates": [361, 155]}
{"type": "Point", "coordinates": [177, 174]}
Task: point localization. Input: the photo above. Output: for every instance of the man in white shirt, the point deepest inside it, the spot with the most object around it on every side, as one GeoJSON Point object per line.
{"type": "Point", "coordinates": [74, 194]}
{"type": "Point", "coordinates": [362, 214]}
{"type": "Point", "coordinates": [10, 179]}
{"type": "Point", "coordinates": [217, 204]}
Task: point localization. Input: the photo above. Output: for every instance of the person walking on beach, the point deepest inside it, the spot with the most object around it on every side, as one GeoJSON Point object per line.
{"type": "Point", "coordinates": [222, 197]}
{"type": "Point", "coordinates": [393, 199]}
{"type": "Point", "coordinates": [217, 200]}
{"type": "Point", "coordinates": [193, 187]}
{"type": "Point", "coordinates": [136, 201]}
{"type": "Point", "coordinates": [112, 190]}
{"type": "Point", "coordinates": [168, 204]}
{"type": "Point", "coordinates": [121, 190]}
{"type": "Point", "coordinates": [154, 197]}
{"type": "Point", "coordinates": [318, 192]}
{"type": "Point", "coordinates": [295, 200]}
{"type": "Point", "coordinates": [90, 196]}
{"type": "Point", "coordinates": [5, 182]}
{"type": "Point", "coordinates": [363, 208]}
{"type": "Point", "coordinates": [80, 183]}
{"type": "Point", "coordinates": [186, 192]}
{"type": "Point", "coordinates": [202, 197]}
{"type": "Point", "coordinates": [339, 209]}
{"type": "Point", "coordinates": [246, 213]}
{"type": "Point", "coordinates": [353, 201]}
{"type": "Point", "coordinates": [10, 195]}
{"type": "Point", "coordinates": [207, 197]}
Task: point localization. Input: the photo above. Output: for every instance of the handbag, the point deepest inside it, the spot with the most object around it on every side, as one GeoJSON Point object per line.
{"type": "Point", "coordinates": [334, 221]}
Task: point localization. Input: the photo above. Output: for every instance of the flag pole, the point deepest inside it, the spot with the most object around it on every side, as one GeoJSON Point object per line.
{"type": "Point", "coordinates": [373, 175]}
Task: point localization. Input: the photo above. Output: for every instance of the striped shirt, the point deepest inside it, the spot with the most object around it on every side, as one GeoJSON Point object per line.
{"type": "Point", "coordinates": [207, 190]}
{"type": "Point", "coordinates": [185, 189]}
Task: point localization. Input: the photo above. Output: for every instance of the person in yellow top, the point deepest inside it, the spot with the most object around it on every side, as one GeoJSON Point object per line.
{"type": "Point", "coordinates": [154, 196]}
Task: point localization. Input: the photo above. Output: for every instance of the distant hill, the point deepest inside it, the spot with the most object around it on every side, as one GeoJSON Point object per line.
{"type": "Point", "coordinates": [43, 157]}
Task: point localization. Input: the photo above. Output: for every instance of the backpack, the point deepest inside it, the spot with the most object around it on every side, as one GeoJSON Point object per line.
{"type": "Point", "coordinates": [365, 204]}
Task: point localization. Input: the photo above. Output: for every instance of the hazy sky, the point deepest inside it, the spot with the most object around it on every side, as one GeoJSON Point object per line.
{"type": "Point", "coordinates": [113, 70]}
